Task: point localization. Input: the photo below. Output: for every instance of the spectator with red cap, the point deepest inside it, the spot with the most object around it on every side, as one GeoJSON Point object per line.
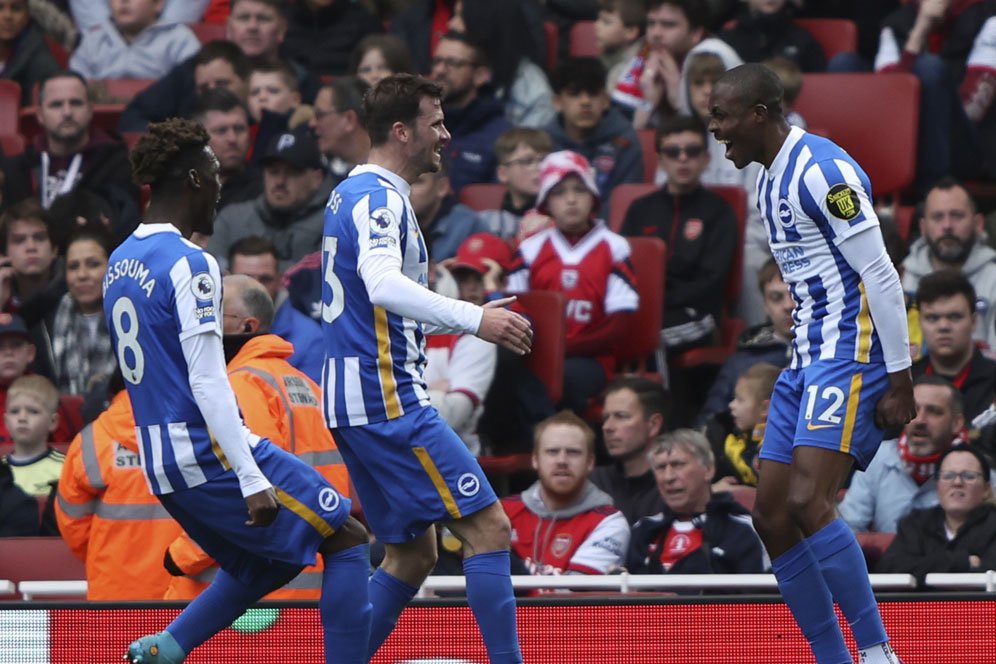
{"type": "Point", "coordinates": [485, 259]}
{"type": "Point", "coordinates": [581, 258]}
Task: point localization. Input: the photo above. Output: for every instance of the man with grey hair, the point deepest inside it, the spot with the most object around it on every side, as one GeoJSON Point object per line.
{"type": "Point", "coordinates": [699, 532]}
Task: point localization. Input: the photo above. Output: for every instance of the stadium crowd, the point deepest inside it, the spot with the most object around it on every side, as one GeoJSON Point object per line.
{"type": "Point", "coordinates": [580, 164]}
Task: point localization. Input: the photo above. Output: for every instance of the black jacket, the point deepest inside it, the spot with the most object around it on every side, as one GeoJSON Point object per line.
{"type": "Point", "coordinates": [323, 40]}
{"type": "Point", "coordinates": [18, 510]}
{"type": "Point", "coordinates": [700, 231]}
{"type": "Point", "coordinates": [104, 171]}
{"type": "Point", "coordinates": [729, 543]}
{"type": "Point", "coordinates": [29, 63]}
{"type": "Point", "coordinates": [635, 497]}
{"type": "Point", "coordinates": [762, 36]}
{"type": "Point", "coordinates": [921, 545]}
{"type": "Point", "coordinates": [977, 388]}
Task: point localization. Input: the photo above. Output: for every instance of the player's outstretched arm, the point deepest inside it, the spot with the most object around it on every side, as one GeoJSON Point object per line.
{"type": "Point", "coordinates": [504, 327]}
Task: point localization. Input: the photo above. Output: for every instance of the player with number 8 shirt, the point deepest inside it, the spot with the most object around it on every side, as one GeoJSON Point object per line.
{"type": "Point", "coordinates": [162, 300]}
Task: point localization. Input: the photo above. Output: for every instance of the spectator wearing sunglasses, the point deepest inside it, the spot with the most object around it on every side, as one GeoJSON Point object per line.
{"type": "Point", "coordinates": [700, 231]}
{"type": "Point", "coordinates": [959, 535]}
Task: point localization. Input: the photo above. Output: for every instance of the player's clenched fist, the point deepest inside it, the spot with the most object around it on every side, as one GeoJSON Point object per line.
{"type": "Point", "coordinates": [504, 327]}
{"type": "Point", "coordinates": [263, 508]}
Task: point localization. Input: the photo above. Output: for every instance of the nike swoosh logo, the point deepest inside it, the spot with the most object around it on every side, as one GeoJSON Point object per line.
{"type": "Point", "coordinates": [817, 427]}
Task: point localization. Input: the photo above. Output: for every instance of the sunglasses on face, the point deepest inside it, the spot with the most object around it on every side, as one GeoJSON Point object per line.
{"type": "Point", "coordinates": [675, 151]}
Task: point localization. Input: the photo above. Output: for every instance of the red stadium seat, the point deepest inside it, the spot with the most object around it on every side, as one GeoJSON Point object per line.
{"type": "Point", "coordinates": [482, 197]}
{"type": "Point", "coordinates": [206, 32]}
{"type": "Point", "coordinates": [745, 495]}
{"type": "Point", "coordinates": [552, 41]}
{"type": "Point", "coordinates": [642, 337]}
{"type": "Point", "coordinates": [546, 310]}
{"type": "Point", "coordinates": [873, 545]}
{"type": "Point", "coordinates": [648, 144]}
{"type": "Point", "coordinates": [38, 559]}
{"type": "Point", "coordinates": [622, 197]}
{"type": "Point", "coordinates": [873, 116]}
{"type": "Point", "coordinates": [10, 102]}
{"type": "Point", "coordinates": [582, 40]}
{"type": "Point", "coordinates": [71, 412]}
{"type": "Point", "coordinates": [834, 35]}
{"type": "Point", "coordinates": [729, 328]}
{"type": "Point", "coordinates": [12, 144]}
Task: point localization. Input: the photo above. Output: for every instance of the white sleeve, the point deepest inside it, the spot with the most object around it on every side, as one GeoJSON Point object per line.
{"type": "Point", "coordinates": [213, 393]}
{"type": "Point", "coordinates": [865, 253]}
{"type": "Point", "coordinates": [197, 301]}
{"type": "Point", "coordinates": [604, 549]}
{"type": "Point", "coordinates": [889, 50]}
{"type": "Point", "coordinates": [455, 407]}
{"type": "Point", "coordinates": [387, 287]}
{"type": "Point", "coordinates": [472, 367]}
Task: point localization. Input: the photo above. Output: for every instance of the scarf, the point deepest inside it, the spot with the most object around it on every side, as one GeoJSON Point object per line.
{"type": "Point", "coordinates": [920, 468]}
{"type": "Point", "coordinates": [627, 92]}
{"type": "Point", "coordinates": [79, 357]}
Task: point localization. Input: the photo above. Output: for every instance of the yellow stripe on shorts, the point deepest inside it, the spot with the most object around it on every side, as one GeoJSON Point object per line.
{"type": "Point", "coordinates": [303, 511]}
{"type": "Point", "coordinates": [851, 414]}
{"type": "Point", "coordinates": [437, 481]}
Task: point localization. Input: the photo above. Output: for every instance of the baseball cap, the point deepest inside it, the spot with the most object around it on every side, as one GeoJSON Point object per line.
{"type": "Point", "coordinates": [558, 165]}
{"type": "Point", "coordinates": [15, 327]}
{"type": "Point", "coordinates": [298, 150]}
{"type": "Point", "coordinates": [473, 250]}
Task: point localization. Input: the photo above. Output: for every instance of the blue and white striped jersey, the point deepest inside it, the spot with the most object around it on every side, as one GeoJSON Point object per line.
{"type": "Point", "coordinates": [812, 198]}
{"type": "Point", "coordinates": [159, 290]}
{"type": "Point", "coordinates": [373, 358]}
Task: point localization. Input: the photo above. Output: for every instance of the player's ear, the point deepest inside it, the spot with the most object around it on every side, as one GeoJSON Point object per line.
{"type": "Point", "coordinates": [194, 178]}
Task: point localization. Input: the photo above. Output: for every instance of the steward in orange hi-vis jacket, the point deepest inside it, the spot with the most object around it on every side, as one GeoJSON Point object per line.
{"type": "Point", "coordinates": [108, 516]}
{"type": "Point", "coordinates": [280, 403]}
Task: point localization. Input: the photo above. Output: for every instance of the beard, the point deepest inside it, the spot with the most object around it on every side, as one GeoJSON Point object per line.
{"type": "Point", "coordinates": [951, 249]}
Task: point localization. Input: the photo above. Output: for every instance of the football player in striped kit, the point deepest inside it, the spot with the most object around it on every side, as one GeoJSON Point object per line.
{"type": "Point", "coordinates": [849, 378]}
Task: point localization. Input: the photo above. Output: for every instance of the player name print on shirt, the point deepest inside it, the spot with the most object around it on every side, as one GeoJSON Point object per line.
{"type": "Point", "coordinates": [133, 269]}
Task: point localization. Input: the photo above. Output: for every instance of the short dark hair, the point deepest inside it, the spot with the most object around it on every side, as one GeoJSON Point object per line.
{"type": "Point", "coordinates": [280, 5]}
{"type": "Point", "coordinates": [397, 98]}
{"type": "Point", "coordinates": [509, 140]}
{"type": "Point", "coordinates": [348, 93]}
{"type": "Point", "coordinates": [220, 49]}
{"type": "Point", "coordinates": [217, 99]}
{"type": "Point", "coordinates": [63, 73]}
{"type": "Point", "coordinates": [392, 47]}
{"type": "Point", "coordinates": [956, 400]}
{"type": "Point", "coordinates": [579, 74]}
{"type": "Point", "coordinates": [633, 13]}
{"type": "Point", "coordinates": [944, 283]}
{"type": "Point", "coordinates": [974, 451]}
{"type": "Point", "coordinates": [65, 210]}
{"type": "Point", "coordinates": [471, 42]}
{"type": "Point", "coordinates": [696, 11]}
{"type": "Point", "coordinates": [277, 66]}
{"type": "Point", "coordinates": [93, 232]}
{"type": "Point", "coordinates": [753, 84]}
{"type": "Point", "coordinates": [653, 397]}
{"type": "Point", "coordinates": [679, 124]}
{"type": "Point", "coordinates": [168, 151]}
{"type": "Point", "coordinates": [252, 245]}
{"type": "Point", "coordinates": [30, 209]}
{"type": "Point", "coordinates": [949, 182]}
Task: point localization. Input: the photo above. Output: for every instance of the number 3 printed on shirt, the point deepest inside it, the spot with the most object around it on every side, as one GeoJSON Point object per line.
{"type": "Point", "coordinates": [128, 340]}
{"type": "Point", "coordinates": [332, 310]}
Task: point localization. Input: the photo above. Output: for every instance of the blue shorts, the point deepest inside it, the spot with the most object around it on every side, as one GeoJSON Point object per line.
{"type": "Point", "coordinates": [829, 404]}
{"type": "Point", "coordinates": [214, 515]}
{"type": "Point", "coordinates": [411, 472]}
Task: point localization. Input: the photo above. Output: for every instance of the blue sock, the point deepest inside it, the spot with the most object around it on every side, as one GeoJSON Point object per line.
{"type": "Point", "coordinates": [345, 606]}
{"type": "Point", "coordinates": [389, 596]}
{"type": "Point", "coordinates": [846, 574]}
{"type": "Point", "coordinates": [489, 593]}
{"type": "Point", "coordinates": [213, 610]}
{"type": "Point", "coordinates": [806, 593]}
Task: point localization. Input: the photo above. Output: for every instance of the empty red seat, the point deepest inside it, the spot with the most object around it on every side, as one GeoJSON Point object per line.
{"type": "Point", "coordinates": [38, 559]}
{"type": "Point", "coordinates": [483, 196]}
{"type": "Point", "coordinates": [582, 41]}
{"type": "Point", "coordinates": [834, 35]}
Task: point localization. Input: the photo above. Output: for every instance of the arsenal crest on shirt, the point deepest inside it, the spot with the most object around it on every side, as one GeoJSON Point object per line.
{"type": "Point", "coordinates": [561, 545]}
{"type": "Point", "coordinates": [568, 279]}
{"type": "Point", "coordinates": [693, 229]}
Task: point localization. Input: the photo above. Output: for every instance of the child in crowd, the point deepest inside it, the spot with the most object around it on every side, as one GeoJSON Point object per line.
{"type": "Point", "coordinates": [619, 34]}
{"type": "Point", "coordinates": [581, 258]}
{"type": "Point", "coordinates": [378, 56]}
{"type": "Point", "coordinates": [31, 416]}
{"type": "Point", "coordinates": [736, 448]}
{"type": "Point", "coordinates": [519, 152]}
{"type": "Point", "coordinates": [273, 87]}
{"type": "Point", "coordinates": [790, 75]}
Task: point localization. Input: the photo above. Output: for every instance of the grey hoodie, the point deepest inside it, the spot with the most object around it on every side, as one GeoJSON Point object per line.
{"type": "Point", "coordinates": [980, 269]}
{"type": "Point", "coordinates": [591, 497]}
